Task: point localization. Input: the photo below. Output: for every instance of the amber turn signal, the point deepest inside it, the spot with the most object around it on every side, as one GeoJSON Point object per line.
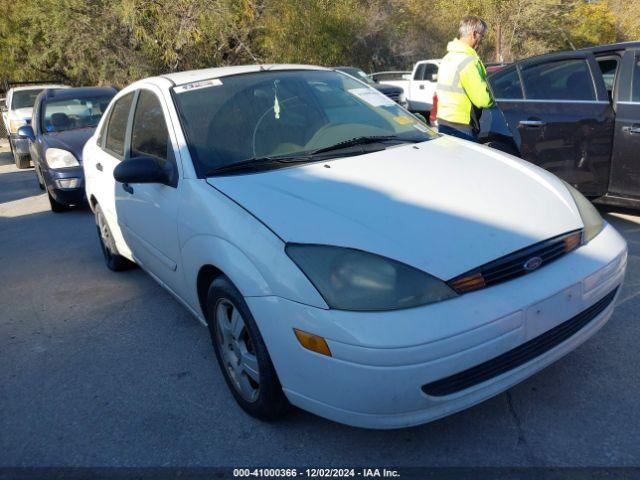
{"type": "Point", "coordinates": [468, 283]}
{"type": "Point", "coordinates": [313, 342]}
{"type": "Point", "coordinates": [572, 241]}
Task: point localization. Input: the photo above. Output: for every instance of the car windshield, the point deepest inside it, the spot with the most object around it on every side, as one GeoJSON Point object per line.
{"type": "Point", "coordinates": [72, 113]}
{"type": "Point", "coordinates": [24, 98]}
{"type": "Point", "coordinates": [284, 113]}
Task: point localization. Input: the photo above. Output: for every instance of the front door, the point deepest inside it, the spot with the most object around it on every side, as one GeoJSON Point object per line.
{"type": "Point", "coordinates": [625, 164]}
{"type": "Point", "coordinates": [149, 212]}
{"type": "Point", "coordinates": [563, 119]}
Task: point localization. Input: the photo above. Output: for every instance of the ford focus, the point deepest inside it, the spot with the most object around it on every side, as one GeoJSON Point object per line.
{"type": "Point", "coordinates": [346, 259]}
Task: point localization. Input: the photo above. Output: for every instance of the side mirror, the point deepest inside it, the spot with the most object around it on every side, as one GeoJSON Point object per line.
{"type": "Point", "coordinates": [406, 76]}
{"type": "Point", "coordinates": [434, 77]}
{"type": "Point", "coordinates": [27, 131]}
{"type": "Point", "coordinates": [144, 170]}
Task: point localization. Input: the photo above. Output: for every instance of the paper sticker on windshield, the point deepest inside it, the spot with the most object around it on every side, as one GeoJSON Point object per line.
{"type": "Point", "coordinates": [372, 97]}
{"type": "Point", "coordinates": [214, 82]}
{"type": "Point", "coordinates": [401, 120]}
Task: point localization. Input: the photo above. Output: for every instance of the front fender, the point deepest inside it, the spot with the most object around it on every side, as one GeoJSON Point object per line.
{"type": "Point", "coordinates": [202, 250]}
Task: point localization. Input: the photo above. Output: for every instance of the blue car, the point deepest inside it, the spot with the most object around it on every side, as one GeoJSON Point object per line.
{"type": "Point", "coordinates": [63, 120]}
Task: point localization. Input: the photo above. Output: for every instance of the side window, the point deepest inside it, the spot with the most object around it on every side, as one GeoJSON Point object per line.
{"type": "Point", "coordinates": [506, 84]}
{"type": "Point", "coordinates": [419, 75]}
{"type": "Point", "coordinates": [117, 125]}
{"type": "Point", "coordinates": [149, 134]}
{"type": "Point", "coordinates": [103, 128]}
{"type": "Point", "coordinates": [635, 86]}
{"type": "Point", "coordinates": [429, 71]}
{"type": "Point", "coordinates": [559, 80]}
{"type": "Point", "coordinates": [608, 68]}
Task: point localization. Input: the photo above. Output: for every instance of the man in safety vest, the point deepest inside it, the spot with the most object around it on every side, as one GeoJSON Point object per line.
{"type": "Point", "coordinates": [462, 82]}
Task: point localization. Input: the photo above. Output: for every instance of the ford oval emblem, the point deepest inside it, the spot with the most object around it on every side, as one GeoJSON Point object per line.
{"type": "Point", "coordinates": [531, 264]}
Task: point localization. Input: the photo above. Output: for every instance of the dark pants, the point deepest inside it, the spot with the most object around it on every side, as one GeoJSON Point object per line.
{"type": "Point", "coordinates": [463, 131]}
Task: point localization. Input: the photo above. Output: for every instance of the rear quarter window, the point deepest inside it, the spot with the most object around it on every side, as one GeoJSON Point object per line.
{"type": "Point", "coordinates": [117, 125]}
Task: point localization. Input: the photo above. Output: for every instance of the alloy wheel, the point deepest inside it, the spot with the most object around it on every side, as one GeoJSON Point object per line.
{"type": "Point", "coordinates": [237, 351]}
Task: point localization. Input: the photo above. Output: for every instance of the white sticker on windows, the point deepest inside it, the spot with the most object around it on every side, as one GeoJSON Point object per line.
{"type": "Point", "coordinates": [214, 82]}
{"type": "Point", "coordinates": [372, 97]}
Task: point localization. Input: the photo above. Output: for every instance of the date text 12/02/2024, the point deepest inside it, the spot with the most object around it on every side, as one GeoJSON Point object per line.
{"type": "Point", "coordinates": [315, 473]}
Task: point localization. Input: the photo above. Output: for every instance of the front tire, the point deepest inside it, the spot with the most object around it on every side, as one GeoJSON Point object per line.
{"type": "Point", "coordinates": [242, 354]}
{"type": "Point", "coordinates": [56, 206]}
{"type": "Point", "coordinates": [112, 258]}
{"type": "Point", "coordinates": [40, 179]}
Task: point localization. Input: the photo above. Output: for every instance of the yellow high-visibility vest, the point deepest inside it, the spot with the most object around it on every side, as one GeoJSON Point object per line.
{"type": "Point", "coordinates": [462, 83]}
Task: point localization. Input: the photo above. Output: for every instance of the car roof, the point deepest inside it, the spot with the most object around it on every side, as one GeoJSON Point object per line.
{"type": "Point", "coordinates": [595, 50]}
{"type": "Point", "coordinates": [612, 46]}
{"type": "Point", "coordinates": [38, 87]}
{"type": "Point", "coordinates": [181, 78]}
{"type": "Point", "coordinates": [78, 92]}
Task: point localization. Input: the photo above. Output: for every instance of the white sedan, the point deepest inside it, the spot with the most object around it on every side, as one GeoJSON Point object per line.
{"type": "Point", "coordinates": [347, 259]}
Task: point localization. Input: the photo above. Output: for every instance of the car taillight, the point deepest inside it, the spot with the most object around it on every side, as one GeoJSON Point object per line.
{"type": "Point", "coordinates": [433, 114]}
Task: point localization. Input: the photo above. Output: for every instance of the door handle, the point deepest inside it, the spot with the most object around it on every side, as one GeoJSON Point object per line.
{"type": "Point", "coordinates": [127, 188]}
{"type": "Point", "coordinates": [99, 166]}
{"type": "Point", "coordinates": [632, 130]}
{"type": "Point", "coordinates": [532, 123]}
{"type": "Point", "coordinates": [421, 87]}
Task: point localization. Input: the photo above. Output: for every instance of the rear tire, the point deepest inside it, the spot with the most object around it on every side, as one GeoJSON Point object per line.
{"type": "Point", "coordinates": [56, 206]}
{"type": "Point", "coordinates": [22, 161]}
{"type": "Point", "coordinates": [112, 258]}
{"type": "Point", "coordinates": [242, 354]}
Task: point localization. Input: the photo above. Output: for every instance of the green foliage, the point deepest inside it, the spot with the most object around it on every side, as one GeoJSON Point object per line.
{"type": "Point", "coordinates": [118, 41]}
{"type": "Point", "coordinates": [592, 23]}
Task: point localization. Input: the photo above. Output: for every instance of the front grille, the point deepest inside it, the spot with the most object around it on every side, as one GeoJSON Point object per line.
{"type": "Point", "coordinates": [519, 355]}
{"type": "Point", "coordinates": [516, 264]}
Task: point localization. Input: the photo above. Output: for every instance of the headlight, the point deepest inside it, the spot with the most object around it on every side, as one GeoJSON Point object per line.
{"type": "Point", "coordinates": [350, 279]}
{"type": "Point", "coordinates": [593, 222]}
{"type": "Point", "coordinates": [58, 158]}
{"type": "Point", "coordinates": [15, 124]}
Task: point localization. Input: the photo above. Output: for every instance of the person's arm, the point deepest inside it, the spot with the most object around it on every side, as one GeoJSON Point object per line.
{"type": "Point", "coordinates": [475, 85]}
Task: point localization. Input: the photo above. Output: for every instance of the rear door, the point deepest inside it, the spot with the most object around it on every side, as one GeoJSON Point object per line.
{"type": "Point", "coordinates": [625, 164]}
{"type": "Point", "coordinates": [149, 212]}
{"type": "Point", "coordinates": [559, 113]}
{"type": "Point", "coordinates": [110, 152]}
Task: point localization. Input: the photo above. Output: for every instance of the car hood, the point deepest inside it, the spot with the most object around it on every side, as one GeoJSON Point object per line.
{"type": "Point", "coordinates": [445, 206]}
{"type": "Point", "coordinates": [71, 140]}
{"type": "Point", "coordinates": [21, 113]}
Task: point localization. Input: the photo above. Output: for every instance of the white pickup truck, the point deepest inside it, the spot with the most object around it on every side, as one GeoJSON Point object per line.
{"type": "Point", "coordinates": [17, 112]}
{"type": "Point", "coordinates": [419, 86]}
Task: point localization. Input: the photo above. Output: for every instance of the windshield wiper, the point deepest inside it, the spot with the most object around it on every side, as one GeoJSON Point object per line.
{"type": "Point", "coordinates": [353, 142]}
{"type": "Point", "coordinates": [258, 163]}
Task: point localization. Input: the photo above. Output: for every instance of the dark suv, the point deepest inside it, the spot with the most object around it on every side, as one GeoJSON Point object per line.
{"type": "Point", "coordinates": [576, 114]}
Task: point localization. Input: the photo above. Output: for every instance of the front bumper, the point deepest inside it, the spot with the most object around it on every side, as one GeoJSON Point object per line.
{"type": "Point", "coordinates": [57, 182]}
{"type": "Point", "coordinates": [19, 144]}
{"type": "Point", "coordinates": [381, 360]}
